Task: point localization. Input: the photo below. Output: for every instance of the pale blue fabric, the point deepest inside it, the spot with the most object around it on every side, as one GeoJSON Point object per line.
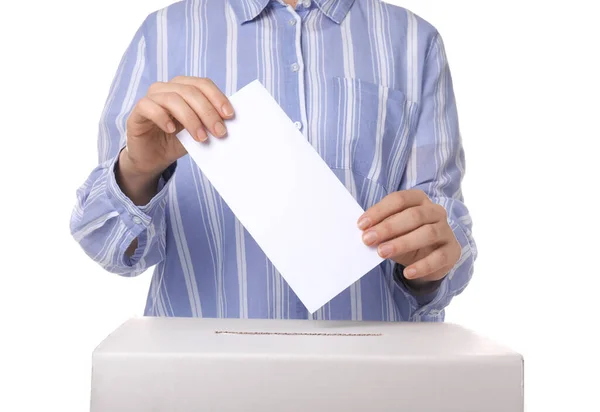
{"type": "Point", "coordinates": [370, 86]}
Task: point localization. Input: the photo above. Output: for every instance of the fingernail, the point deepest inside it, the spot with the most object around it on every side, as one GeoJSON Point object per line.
{"type": "Point", "coordinates": [364, 223]}
{"type": "Point", "coordinates": [409, 273]}
{"type": "Point", "coordinates": [385, 251]}
{"type": "Point", "coordinates": [220, 129]}
{"type": "Point", "coordinates": [171, 127]}
{"type": "Point", "coordinates": [201, 134]}
{"type": "Point", "coordinates": [227, 110]}
{"type": "Point", "coordinates": [370, 237]}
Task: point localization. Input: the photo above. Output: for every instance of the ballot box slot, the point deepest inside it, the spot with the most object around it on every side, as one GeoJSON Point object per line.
{"type": "Point", "coordinates": [231, 332]}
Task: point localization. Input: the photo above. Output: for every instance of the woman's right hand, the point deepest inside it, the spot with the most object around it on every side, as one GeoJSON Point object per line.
{"type": "Point", "coordinates": [193, 103]}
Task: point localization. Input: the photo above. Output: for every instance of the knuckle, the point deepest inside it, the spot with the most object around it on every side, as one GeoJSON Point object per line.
{"type": "Point", "coordinates": [444, 258]}
{"type": "Point", "coordinates": [416, 214]}
{"type": "Point", "coordinates": [154, 87]}
{"type": "Point", "coordinates": [188, 89]}
{"type": "Point", "coordinates": [171, 97]}
{"type": "Point", "coordinates": [398, 199]}
{"type": "Point", "coordinates": [151, 111]}
{"type": "Point", "coordinates": [373, 213]}
{"type": "Point", "coordinates": [192, 119]}
{"type": "Point", "coordinates": [375, 210]}
{"type": "Point", "coordinates": [206, 81]}
{"type": "Point", "coordinates": [210, 112]}
{"type": "Point", "coordinates": [431, 233]}
{"type": "Point", "coordinates": [146, 107]}
{"type": "Point", "coordinates": [178, 79]}
{"type": "Point", "coordinates": [427, 267]}
{"type": "Point", "coordinates": [144, 103]}
{"type": "Point", "coordinates": [441, 211]}
{"type": "Point", "coordinates": [386, 228]}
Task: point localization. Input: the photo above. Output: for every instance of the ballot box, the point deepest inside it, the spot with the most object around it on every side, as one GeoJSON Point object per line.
{"type": "Point", "coordinates": [196, 365]}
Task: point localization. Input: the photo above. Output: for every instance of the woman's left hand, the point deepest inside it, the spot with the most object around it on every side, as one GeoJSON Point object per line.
{"type": "Point", "coordinates": [410, 229]}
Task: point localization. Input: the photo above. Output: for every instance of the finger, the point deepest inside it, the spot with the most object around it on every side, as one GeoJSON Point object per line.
{"type": "Point", "coordinates": [433, 266]}
{"type": "Point", "coordinates": [147, 109]}
{"type": "Point", "coordinates": [208, 114]}
{"type": "Point", "coordinates": [180, 110]}
{"type": "Point", "coordinates": [427, 235]}
{"type": "Point", "coordinates": [196, 99]}
{"type": "Point", "coordinates": [212, 93]}
{"type": "Point", "coordinates": [401, 224]}
{"type": "Point", "coordinates": [390, 205]}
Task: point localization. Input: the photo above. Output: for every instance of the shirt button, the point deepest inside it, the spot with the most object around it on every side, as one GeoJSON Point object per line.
{"type": "Point", "coordinates": [298, 125]}
{"type": "Point", "coordinates": [293, 22]}
{"type": "Point", "coordinates": [137, 220]}
{"type": "Point", "coordinates": [306, 3]}
{"type": "Point", "coordinates": [295, 67]}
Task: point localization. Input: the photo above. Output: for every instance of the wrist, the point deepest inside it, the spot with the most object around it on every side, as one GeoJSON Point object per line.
{"type": "Point", "coordinates": [136, 169]}
{"type": "Point", "coordinates": [136, 183]}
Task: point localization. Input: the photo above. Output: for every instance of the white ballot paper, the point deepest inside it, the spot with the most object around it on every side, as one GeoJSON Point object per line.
{"type": "Point", "coordinates": [287, 198]}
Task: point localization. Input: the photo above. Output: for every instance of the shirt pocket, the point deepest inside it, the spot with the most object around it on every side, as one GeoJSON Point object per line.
{"type": "Point", "coordinates": [366, 138]}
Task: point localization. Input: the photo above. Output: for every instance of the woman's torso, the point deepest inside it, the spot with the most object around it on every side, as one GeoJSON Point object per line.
{"type": "Point", "coordinates": [353, 88]}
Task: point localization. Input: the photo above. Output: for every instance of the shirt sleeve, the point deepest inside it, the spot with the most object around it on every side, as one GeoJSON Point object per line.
{"type": "Point", "coordinates": [104, 221]}
{"type": "Point", "coordinates": [436, 165]}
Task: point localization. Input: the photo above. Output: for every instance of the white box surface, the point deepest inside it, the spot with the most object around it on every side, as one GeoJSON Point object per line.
{"type": "Point", "coordinates": [186, 364]}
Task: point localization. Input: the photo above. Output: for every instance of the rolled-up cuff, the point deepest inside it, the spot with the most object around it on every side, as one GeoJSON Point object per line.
{"type": "Point", "coordinates": [137, 216]}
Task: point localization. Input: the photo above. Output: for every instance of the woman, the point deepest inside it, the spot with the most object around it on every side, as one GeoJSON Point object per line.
{"type": "Point", "coordinates": [369, 86]}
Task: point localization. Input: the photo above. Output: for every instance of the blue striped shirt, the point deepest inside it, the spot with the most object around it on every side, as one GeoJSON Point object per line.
{"type": "Point", "coordinates": [369, 86]}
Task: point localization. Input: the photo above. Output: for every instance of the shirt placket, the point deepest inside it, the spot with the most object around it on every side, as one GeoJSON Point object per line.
{"type": "Point", "coordinates": [294, 60]}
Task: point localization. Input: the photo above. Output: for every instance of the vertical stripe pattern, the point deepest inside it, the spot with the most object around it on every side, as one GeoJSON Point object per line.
{"type": "Point", "coordinates": [367, 83]}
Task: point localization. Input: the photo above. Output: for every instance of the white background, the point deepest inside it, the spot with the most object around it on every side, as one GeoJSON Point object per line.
{"type": "Point", "coordinates": [526, 80]}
